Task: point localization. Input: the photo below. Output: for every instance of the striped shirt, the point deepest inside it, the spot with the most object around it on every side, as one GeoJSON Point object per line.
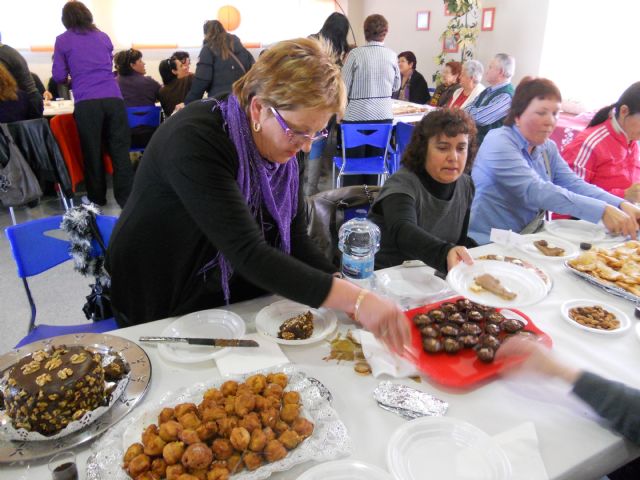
{"type": "Point", "coordinates": [495, 110]}
{"type": "Point", "coordinates": [371, 75]}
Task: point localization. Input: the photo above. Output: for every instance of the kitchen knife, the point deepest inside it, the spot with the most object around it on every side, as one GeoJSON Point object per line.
{"type": "Point", "coordinates": [213, 342]}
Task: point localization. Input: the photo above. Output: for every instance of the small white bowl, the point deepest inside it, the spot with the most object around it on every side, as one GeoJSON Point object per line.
{"type": "Point", "coordinates": [622, 317]}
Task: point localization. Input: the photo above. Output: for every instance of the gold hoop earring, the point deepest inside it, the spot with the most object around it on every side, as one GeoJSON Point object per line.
{"type": "Point", "coordinates": [256, 127]}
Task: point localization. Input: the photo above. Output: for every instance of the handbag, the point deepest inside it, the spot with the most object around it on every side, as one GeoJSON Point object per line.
{"type": "Point", "coordinates": [18, 184]}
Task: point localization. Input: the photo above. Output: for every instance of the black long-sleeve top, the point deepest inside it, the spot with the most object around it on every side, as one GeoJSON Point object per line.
{"type": "Point", "coordinates": [185, 207]}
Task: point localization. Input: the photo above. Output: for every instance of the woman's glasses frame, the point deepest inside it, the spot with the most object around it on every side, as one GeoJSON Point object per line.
{"type": "Point", "coordinates": [297, 137]}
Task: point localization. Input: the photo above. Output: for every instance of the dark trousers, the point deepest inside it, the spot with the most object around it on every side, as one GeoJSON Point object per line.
{"type": "Point", "coordinates": [361, 152]}
{"type": "Point", "coordinates": [101, 121]}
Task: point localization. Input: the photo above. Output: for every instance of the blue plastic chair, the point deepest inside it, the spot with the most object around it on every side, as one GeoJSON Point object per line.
{"type": "Point", "coordinates": [34, 252]}
{"type": "Point", "coordinates": [403, 137]}
{"type": "Point", "coordinates": [359, 134]}
{"type": "Point", "coordinates": [147, 116]}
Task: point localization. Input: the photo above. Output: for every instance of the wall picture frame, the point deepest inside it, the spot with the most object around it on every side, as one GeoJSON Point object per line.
{"type": "Point", "coordinates": [487, 19]}
{"type": "Point", "coordinates": [423, 20]}
{"type": "Point", "coordinates": [450, 44]}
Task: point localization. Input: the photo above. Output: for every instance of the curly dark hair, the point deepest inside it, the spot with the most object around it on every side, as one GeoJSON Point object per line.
{"type": "Point", "coordinates": [76, 16]}
{"type": "Point", "coordinates": [450, 122]}
{"type": "Point", "coordinates": [124, 59]}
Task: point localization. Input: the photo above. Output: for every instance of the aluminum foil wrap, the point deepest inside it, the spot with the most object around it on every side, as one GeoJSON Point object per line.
{"type": "Point", "coordinates": [408, 402]}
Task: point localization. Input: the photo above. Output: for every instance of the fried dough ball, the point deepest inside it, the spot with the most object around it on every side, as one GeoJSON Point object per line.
{"type": "Point", "coordinates": [159, 467]}
{"type": "Point", "coordinates": [240, 438]}
{"type": "Point", "coordinates": [148, 475]}
{"type": "Point", "coordinates": [291, 397]}
{"type": "Point", "coordinates": [252, 460]}
{"type": "Point", "coordinates": [187, 476]}
{"type": "Point", "coordinates": [269, 417]}
{"type": "Point", "coordinates": [273, 390]}
{"type": "Point", "coordinates": [218, 473]}
{"type": "Point", "coordinates": [213, 413]}
{"type": "Point", "coordinates": [149, 432]}
{"type": "Point", "coordinates": [229, 388]}
{"type": "Point", "coordinates": [165, 415]}
{"type": "Point", "coordinates": [273, 401]}
{"type": "Point", "coordinates": [269, 433]}
{"type": "Point", "coordinates": [139, 464]}
{"type": "Point", "coordinates": [257, 383]}
{"type": "Point", "coordinates": [222, 448]}
{"type": "Point", "coordinates": [244, 403]}
{"type": "Point", "coordinates": [261, 403]}
{"type": "Point", "coordinates": [258, 440]}
{"type": "Point", "coordinates": [274, 451]}
{"type": "Point", "coordinates": [279, 378]}
{"type": "Point", "coordinates": [174, 471]}
{"type": "Point", "coordinates": [189, 436]}
{"type": "Point", "coordinates": [290, 439]}
{"type": "Point", "coordinates": [243, 388]}
{"type": "Point", "coordinates": [213, 394]}
{"type": "Point", "coordinates": [290, 412]}
{"type": "Point", "coordinates": [219, 464]}
{"type": "Point", "coordinates": [190, 420]}
{"type": "Point", "coordinates": [234, 464]}
{"type": "Point", "coordinates": [199, 473]}
{"type": "Point", "coordinates": [280, 427]}
{"type": "Point", "coordinates": [184, 408]}
{"type": "Point", "coordinates": [302, 427]}
{"type": "Point", "coordinates": [197, 456]}
{"type": "Point", "coordinates": [225, 425]}
{"type": "Point", "coordinates": [170, 430]}
{"type": "Point", "coordinates": [133, 451]}
{"type": "Point", "coordinates": [172, 452]}
{"type": "Point", "coordinates": [207, 430]}
{"type": "Point", "coordinates": [230, 404]}
{"type": "Point", "coordinates": [154, 445]}
{"type": "Point", "coordinates": [250, 422]}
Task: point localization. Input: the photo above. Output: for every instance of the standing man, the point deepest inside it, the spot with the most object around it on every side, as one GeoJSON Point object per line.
{"type": "Point", "coordinates": [17, 66]}
{"type": "Point", "coordinates": [492, 105]}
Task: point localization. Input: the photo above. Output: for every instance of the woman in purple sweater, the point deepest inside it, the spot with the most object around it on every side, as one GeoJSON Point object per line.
{"type": "Point", "coordinates": [84, 53]}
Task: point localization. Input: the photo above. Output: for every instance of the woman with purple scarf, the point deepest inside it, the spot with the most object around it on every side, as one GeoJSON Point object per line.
{"type": "Point", "coordinates": [216, 215]}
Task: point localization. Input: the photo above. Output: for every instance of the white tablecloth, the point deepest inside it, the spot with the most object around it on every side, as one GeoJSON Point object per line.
{"type": "Point", "coordinates": [53, 108]}
{"type": "Point", "coordinates": [573, 444]}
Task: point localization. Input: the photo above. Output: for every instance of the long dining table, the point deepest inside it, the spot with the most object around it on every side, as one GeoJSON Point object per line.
{"type": "Point", "coordinates": [573, 443]}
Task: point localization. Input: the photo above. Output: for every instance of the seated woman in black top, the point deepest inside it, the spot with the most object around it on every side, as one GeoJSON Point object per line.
{"type": "Point", "coordinates": [14, 103]}
{"type": "Point", "coordinates": [413, 87]}
{"type": "Point", "coordinates": [216, 214]}
{"type": "Point", "coordinates": [423, 208]}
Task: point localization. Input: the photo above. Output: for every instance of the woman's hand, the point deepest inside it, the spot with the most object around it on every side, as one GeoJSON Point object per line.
{"type": "Point", "coordinates": [47, 95]}
{"type": "Point", "coordinates": [386, 321]}
{"type": "Point", "coordinates": [457, 255]}
{"type": "Point", "coordinates": [623, 220]}
{"type": "Point", "coordinates": [632, 194]}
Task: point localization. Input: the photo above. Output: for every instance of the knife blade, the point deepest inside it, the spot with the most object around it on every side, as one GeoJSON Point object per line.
{"type": "Point", "coordinates": [213, 342]}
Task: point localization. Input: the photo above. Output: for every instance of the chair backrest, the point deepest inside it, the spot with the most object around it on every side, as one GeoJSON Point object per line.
{"type": "Point", "coordinates": [372, 134]}
{"type": "Point", "coordinates": [403, 136]}
{"type": "Point", "coordinates": [148, 116]}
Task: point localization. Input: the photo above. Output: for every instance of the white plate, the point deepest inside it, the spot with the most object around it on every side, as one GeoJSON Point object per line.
{"type": "Point", "coordinates": [441, 447]}
{"type": "Point", "coordinates": [415, 283]}
{"type": "Point", "coordinates": [348, 469]}
{"type": "Point", "coordinates": [207, 323]}
{"type": "Point", "coordinates": [528, 286]}
{"type": "Point", "coordinates": [570, 249]}
{"type": "Point", "coordinates": [625, 322]}
{"type": "Point", "coordinates": [270, 318]}
{"type": "Point", "coordinates": [576, 230]}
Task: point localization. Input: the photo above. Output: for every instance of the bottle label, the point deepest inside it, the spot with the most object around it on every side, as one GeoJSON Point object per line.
{"type": "Point", "coordinates": [357, 267]}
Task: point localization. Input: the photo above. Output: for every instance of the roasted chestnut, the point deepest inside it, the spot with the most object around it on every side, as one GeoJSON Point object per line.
{"type": "Point", "coordinates": [464, 304]}
{"type": "Point", "coordinates": [489, 341]}
{"type": "Point", "coordinates": [492, 329]}
{"type": "Point", "coordinates": [486, 354]}
{"type": "Point", "coordinates": [437, 315]}
{"type": "Point", "coordinates": [469, 341]}
{"type": "Point", "coordinates": [449, 308]}
{"type": "Point", "coordinates": [451, 345]}
{"type": "Point", "coordinates": [511, 325]}
{"type": "Point", "coordinates": [422, 319]}
{"type": "Point", "coordinates": [430, 331]}
{"type": "Point", "coordinates": [432, 345]}
{"type": "Point", "coordinates": [495, 317]}
{"type": "Point", "coordinates": [471, 329]}
{"type": "Point", "coordinates": [450, 331]}
{"type": "Point", "coordinates": [456, 319]}
{"type": "Point", "coordinates": [475, 316]}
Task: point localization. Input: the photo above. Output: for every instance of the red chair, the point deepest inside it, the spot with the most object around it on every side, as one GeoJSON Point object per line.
{"type": "Point", "coordinates": [66, 134]}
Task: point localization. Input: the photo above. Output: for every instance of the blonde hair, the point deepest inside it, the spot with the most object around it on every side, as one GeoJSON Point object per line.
{"type": "Point", "coordinates": [8, 85]}
{"type": "Point", "coordinates": [293, 75]}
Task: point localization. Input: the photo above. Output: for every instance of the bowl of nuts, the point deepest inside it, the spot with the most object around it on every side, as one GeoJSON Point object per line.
{"type": "Point", "coordinates": [595, 317]}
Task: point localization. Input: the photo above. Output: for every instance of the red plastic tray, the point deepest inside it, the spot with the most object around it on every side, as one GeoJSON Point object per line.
{"type": "Point", "coordinates": [464, 368]}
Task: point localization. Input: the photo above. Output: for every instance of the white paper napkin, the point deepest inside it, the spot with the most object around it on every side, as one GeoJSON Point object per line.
{"type": "Point", "coordinates": [506, 237]}
{"type": "Point", "coordinates": [521, 446]}
{"type": "Point", "coordinates": [239, 361]}
{"type": "Point", "coordinates": [381, 360]}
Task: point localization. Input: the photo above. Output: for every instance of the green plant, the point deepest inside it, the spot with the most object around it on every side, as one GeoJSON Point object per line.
{"type": "Point", "coordinates": [463, 27]}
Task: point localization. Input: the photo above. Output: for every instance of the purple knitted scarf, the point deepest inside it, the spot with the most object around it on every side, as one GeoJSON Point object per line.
{"type": "Point", "coordinates": [262, 183]}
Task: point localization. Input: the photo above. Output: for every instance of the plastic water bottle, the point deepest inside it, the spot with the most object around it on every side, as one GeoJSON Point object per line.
{"type": "Point", "coordinates": [359, 240]}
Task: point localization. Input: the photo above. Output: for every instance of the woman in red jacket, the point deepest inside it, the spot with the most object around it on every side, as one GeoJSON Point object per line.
{"type": "Point", "coordinates": [606, 153]}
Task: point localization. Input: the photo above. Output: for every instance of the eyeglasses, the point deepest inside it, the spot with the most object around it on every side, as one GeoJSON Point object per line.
{"type": "Point", "coordinates": [298, 138]}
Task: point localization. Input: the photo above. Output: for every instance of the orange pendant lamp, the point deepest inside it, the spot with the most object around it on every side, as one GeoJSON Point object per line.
{"type": "Point", "coordinates": [229, 17]}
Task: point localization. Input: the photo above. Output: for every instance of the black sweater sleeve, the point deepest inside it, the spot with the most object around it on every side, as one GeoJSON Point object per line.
{"type": "Point", "coordinates": [614, 401]}
{"type": "Point", "coordinates": [401, 222]}
{"type": "Point", "coordinates": [418, 89]}
{"type": "Point", "coordinates": [203, 76]}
